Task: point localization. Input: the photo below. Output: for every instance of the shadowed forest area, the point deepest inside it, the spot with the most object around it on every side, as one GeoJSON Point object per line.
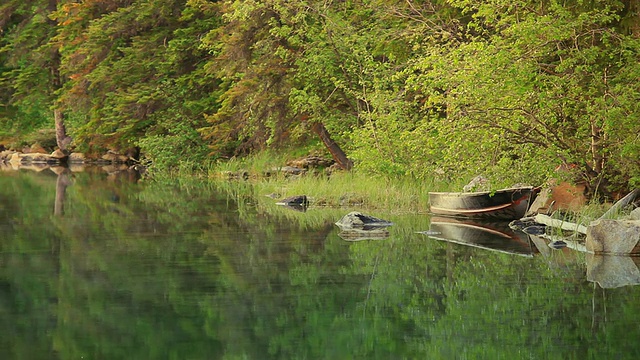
{"type": "Point", "coordinates": [511, 89]}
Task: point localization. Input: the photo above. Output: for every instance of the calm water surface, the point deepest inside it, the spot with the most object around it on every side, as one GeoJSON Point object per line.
{"type": "Point", "coordinates": [100, 266]}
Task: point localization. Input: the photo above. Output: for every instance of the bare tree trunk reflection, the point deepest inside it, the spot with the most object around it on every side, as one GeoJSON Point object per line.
{"type": "Point", "coordinates": [63, 181]}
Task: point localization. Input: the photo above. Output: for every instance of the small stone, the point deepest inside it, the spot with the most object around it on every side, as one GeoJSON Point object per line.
{"type": "Point", "coordinates": [535, 230]}
{"type": "Point", "coordinates": [559, 244]}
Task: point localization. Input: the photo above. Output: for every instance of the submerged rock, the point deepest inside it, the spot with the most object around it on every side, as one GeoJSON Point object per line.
{"type": "Point", "coordinates": [356, 219]}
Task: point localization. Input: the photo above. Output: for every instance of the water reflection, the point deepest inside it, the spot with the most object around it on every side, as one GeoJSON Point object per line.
{"type": "Point", "coordinates": [189, 269]}
{"type": "Point", "coordinates": [611, 271]}
{"type": "Point", "coordinates": [495, 236]}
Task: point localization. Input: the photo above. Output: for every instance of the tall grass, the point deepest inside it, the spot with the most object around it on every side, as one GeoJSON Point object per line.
{"type": "Point", "coordinates": [340, 189]}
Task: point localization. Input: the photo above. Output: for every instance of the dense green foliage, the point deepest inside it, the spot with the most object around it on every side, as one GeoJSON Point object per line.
{"type": "Point", "coordinates": [510, 89]}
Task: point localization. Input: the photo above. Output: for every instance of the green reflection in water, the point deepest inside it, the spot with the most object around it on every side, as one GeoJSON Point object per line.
{"type": "Point", "coordinates": [104, 267]}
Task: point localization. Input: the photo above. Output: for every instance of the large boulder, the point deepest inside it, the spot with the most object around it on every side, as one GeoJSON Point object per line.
{"type": "Point", "coordinates": [559, 196]}
{"type": "Point", "coordinates": [478, 183]}
{"type": "Point", "coordinates": [617, 237]}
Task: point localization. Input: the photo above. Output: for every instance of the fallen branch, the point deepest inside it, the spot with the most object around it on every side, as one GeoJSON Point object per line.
{"type": "Point", "coordinates": [564, 225]}
{"type": "Point", "coordinates": [629, 198]}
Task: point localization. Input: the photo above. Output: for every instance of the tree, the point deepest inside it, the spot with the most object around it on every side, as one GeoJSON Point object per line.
{"type": "Point", "coordinates": [30, 64]}
{"type": "Point", "coordinates": [136, 75]}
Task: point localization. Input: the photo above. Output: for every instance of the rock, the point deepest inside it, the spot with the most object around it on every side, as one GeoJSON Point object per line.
{"type": "Point", "coordinates": [6, 155]}
{"type": "Point", "coordinates": [535, 229]}
{"type": "Point", "coordinates": [521, 224]}
{"type": "Point", "coordinates": [541, 204]}
{"type": "Point", "coordinates": [37, 158]}
{"type": "Point", "coordinates": [311, 161]}
{"type": "Point", "coordinates": [37, 149]}
{"type": "Point", "coordinates": [114, 157]}
{"type": "Point", "coordinates": [558, 244]}
{"type": "Point", "coordinates": [15, 158]}
{"type": "Point", "coordinates": [76, 158]}
{"type": "Point", "coordinates": [611, 271]}
{"type": "Point", "coordinates": [479, 183]}
{"type": "Point", "coordinates": [562, 196]}
{"type": "Point", "coordinates": [236, 175]}
{"type": "Point", "coordinates": [635, 214]}
{"type": "Point", "coordinates": [298, 200]}
{"type": "Point", "coordinates": [356, 219]}
{"type": "Point", "coordinates": [289, 170]}
{"type": "Point", "coordinates": [617, 237]}
{"type": "Point", "coordinates": [58, 154]}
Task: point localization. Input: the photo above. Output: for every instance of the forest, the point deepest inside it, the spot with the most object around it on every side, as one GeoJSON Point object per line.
{"type": "Point", "coordinates": [511, 89]}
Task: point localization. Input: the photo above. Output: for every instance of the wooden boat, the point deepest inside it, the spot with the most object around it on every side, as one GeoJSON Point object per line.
{"type": "Point", "coordinates": [494, 236]}
{"type": "Point", "coordinates": [505, 204]}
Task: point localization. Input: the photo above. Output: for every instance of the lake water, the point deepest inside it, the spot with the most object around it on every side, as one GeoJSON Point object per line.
{"type": "Point", "coordinates": [105, 266]}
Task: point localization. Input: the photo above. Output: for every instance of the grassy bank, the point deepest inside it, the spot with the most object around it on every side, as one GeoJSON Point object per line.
{"type": "Point", "coordinates": [339, 189]}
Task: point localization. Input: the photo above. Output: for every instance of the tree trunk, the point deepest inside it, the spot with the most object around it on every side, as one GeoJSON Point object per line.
{"type": "Point", "coordinates": [62, 139]}
{"type": "Point", "coordinates": [336, 152]}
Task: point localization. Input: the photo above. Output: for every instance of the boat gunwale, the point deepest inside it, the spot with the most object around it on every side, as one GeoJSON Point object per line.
{"type": "Point", "coordinates": [454, 193]}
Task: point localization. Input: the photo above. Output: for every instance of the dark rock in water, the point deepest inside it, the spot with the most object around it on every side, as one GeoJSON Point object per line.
{"type": "Point", "coordinates": [298, 200]}
{"type": "Point", "coordinates": [359, 220]}
{"type": "Point", "coordinates": [558, 244]}
{"type": "Point", "coordinates": [521, 224]}
{"type": "Point", "coordinates": [535, 229]}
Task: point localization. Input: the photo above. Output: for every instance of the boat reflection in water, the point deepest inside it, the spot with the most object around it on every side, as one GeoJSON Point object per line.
{"type": "Point", "coordinates": [495, 236]}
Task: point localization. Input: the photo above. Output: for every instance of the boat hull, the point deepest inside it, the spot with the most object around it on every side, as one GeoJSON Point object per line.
{"type": "Point", "coordinates": [505, 204]}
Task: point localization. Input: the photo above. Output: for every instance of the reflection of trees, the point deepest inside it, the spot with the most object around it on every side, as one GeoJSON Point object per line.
{"type": "Point", "coordinates": [62, 183]}
{"type": "Point", "coordinates": [157, 270]}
